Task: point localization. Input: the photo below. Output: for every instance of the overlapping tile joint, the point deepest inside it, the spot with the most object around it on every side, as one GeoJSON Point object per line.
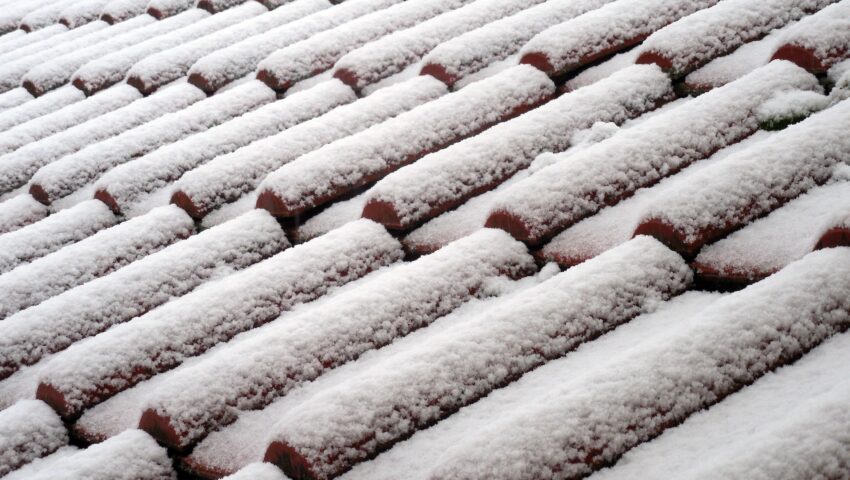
{"type": "Point", "coordinates": [424, 239]}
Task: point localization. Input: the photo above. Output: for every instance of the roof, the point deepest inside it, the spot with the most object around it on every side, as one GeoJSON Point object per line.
{"type": "Point", "coordinates": [424, 239]}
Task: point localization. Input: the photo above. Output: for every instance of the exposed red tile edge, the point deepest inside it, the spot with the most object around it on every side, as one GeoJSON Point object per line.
{"type": "Point", "coordinates": [155, 13]}
{"type": "Point", "coordinates": [290, 461]}
{"type": "Point", "coordinates": [206, 5]}
{"type": "Point", "coordinates": [653, 57]}
{"type": "Point", "coordinates": [108, 18]}
{"type": "Point", "coordinates": [834, 237]}
{"type": "Point", "coordinates": [160, 428]}
{"type": "Point", "coordinates": [199, 81]}
{"type": "Point", "coordinates": [140, 85]}
{"type": "Point", "coordinates": [80, 85]}
{"type": "Point", "coordinates": [195, 468]}
{"type": "Point", "coordinates": [670, 236]}
{"type": "Point", "coordinates": [540, 61]}
{"type": "Point", "coordinates": [38, 193]}
{"type": "Point", "coordinates": [86, 437]}
{"type": "Point", "coordinates": [273, 82]}
{"type": "Point", "coordinates": [105, 197]}
{"type": "Point", "coordinates": [51, 396]}
{"type": "Point", "coordinates": [183, 201]}
{"type": "Point", "coordinates": [439, 72]}
{"type": "Point", "coordinates": [347, 77]}
{"type": "Point", "coordinates": [726, 279]}
{"type": "Point", "coordinates": [805, 58]}
{"type": "Point", "coordinates": [28, 85]}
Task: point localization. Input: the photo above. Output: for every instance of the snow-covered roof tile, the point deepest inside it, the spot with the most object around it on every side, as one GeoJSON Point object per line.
{"type": "Point", "coordinates": [166, 8]}
{"type": "Point", "coordinates": [818, 41]}
{"type": "Point", "coordinates": [119, 10]}
{"type": "Point", "coordinates": [43, 105]}
{"type": "Point", "coordinates": [43, 16]}
{"type": "Point", "coordinates": [837, 235]}
{"type": "Point", "coordinates": [30, 429]}
{"type": "Point", "coordinates": [81, 12]}
{"type": "Point", "coordinates": [20, 211]}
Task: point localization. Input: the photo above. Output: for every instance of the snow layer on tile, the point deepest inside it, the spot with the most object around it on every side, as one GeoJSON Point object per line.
{"type": "Point", "coordinates": [19, 38]}
{"type": "Point", "coordinates": [299, 347]}
{"type": "Point", "coordinates": [335, 216]}
{"type": "Point", "coordinates": [825, 35]}
{"type": "Point", "coordinates": [616, 224]}
{"type": "Point", "coordinates": [166, 8]}
{"type": "Point", "coordinates": [139, 287]}
{"type": "Point", "coordinates": [13, 98]}
{"type": "Point", "coordinates": [19, 61]}
{"type": "Point", "coordinates": [65, 117]}
{"type": "Point", "coordinates": [117, 11]}
{"type": "Point", "coordinates": [258, 471]}
{"type": "Point", "coordinates": [39, 464]}
{"type": "Point", "coordinates": [43, 105]}
{"type": "Point", "coordinates": [243, 442]}
{"type": "Point", "coordinates": [787, 234]}
{"type": "Point", "coordinates": [475, 50]}
{"type": "Point", "coordinates": [81, 12]}
{"type": "Point", "coordinates": [162, 339]}
{"type": "Point", "coordinates": [45, 15]}
{"type": "Point", "coordinates": [446, 178]}
{"type": "Point", "coordinates": [745, 422]}
{"type": "Point", "coordinates": [371, 411]}
{"type": "Point", "coordinates": [103, 252]}
{"type": "Point", "coordinates": [13, 13]}
{"type": "Point", "coordinates": [753, 182]}
{"type": "Point", "coordinates": [603, 70]}
{"type": "Point", "coordinates": [395, 52]}
{"type": "Point", "coordinates": [53, 233]}
{"type": "Point", "coordinates": [216, 6]}
{"type": "Point", "coordinates": [228, 64]}
{"type": "Point", "coordinates": [790, 107]}
{"type": "Point", "coordinates": [16, 168]}
{"type": "Point", "coordinates": [158, 69]}
{"type": "Point", "coordinates": [416, 458]}
{"type": "Point", "coordinates": [20, 211]}
{"type": "Point", "coordinates": [743, 60]}
{"type": "Point", "coordinates": [352, 162]}
{"type": "Point", "coordinates": [598, 33]}
{"type": "Point", "coordinates": [67, 174]}
{"type": "Point", "coordinates": [558, 196]}
{"type": "Point", "coordinates": [230, 176]}
{"type": "Point", "coordinates": [318, 53]}
{"type": "Point", "coordinates": [30, 429]}
{"type": "Point", "coordinates": [132, 455]}
{"type": "Point", "coordinates": [55, 72]}
{"type": "Point", "coordinates": [573, 431]}
{"type": "Point", "coordinates": [111, 68]}
{"type": "Point", "coordinates": [693, 41]}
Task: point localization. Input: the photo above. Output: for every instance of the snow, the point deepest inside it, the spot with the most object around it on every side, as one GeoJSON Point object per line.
{"type": "Point", "coordinates": [416, 458]}
{"type": "Point", "coordinates": [28, 430]}
{"type": "Point", "coordinates": [111, 68]}
{"type": "Point", "coordinates": [693, 41]}
{"type": "Point", "coordinates": [16, 168]}
{"type": "Point", "coordinates": [615, 26]}
{"type": "Point", "coordinates": [19, 38]}
{"type": "Point", "coordinates": [790, 107]}
{"type": "Point", "coordinates": [558, 196]}
{"type": "Point", "coordinates": [53, 233]}
{"type": "Point", "coordinates": [228, 64]}
{"type": "Point", "coordinates": [55, 72]}
{"type": "Point", "coordinates": [732, 343]}
{"type": "Point", "coordinates": [19, 61]}
{"type": "Point", "coordinates": [129, 183]}
{"type": "Point", "coordinates": [216, 6]}
{"type": "Point", "coordinates": [64, 117]}
{"type": "Point", "coordinates": [446, 178]}
{"type": "Point", "coordinates": [166, 8]}
{"type": "Point", "coordinates": [87, 310]}
{"type": "Point", "coordinates": [395, 52]}
{"type": "Point", "coordinates": [117, 11]}
{"type": "Point", "coordinates": [371, 411]}
{"type": "Point", "coordinates": [13, 98]}
{"type": "Point", "coordinates": [755, 181]}
{"type": "Point", "coordinates": [304, 59]}
{"type": "Point", "coordinates": [160, 68]}
{"type": "Point", "coordinates": [599, 72]}
{"type": "Point", "coordinates": [257, 471]}
{"type": "Point", "coordinates": [352, 162]}
{"type": "Point", "coordinates": [230, 176]}
{"type": "Point", "coordinates": [67, 174]}
{"type": "Point", "coordinates": [163, 338]}
{"type": "Point", "coordinates": [335, 216]}
{"type": "Point", "coordinates": [826, 34]}
{"type": "Point", "coordinates": [103, 252]}
{"type": "Point", "coordinates": [299, 347]}
{"type": "Point", "coordinates": [616, 224]}
{"type": "Point", "coordinates": [132, 455]}
{"type": "Point", "coordinates": [475, 50]}
{"type": "Point", "coordinates": [43, 16]}
{"type": "Point", "coordinates": [243, 442]}
{"type": "Point", "coordinates": [20, 211]}
{"type": "Point", "coordinates": [39, 464]}
{"type": "Point", "coordinates": [81, 12]}
{"type": "Point", "coordinates": [43, 105]}
{"type": "Point", "coordinates": [12, 13]}
{"type": "Point", "coordinates": [749, 423]}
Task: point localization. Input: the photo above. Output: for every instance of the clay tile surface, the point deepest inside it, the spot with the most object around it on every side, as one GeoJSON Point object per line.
{"type": "Point", "coordinates": [424, 239]}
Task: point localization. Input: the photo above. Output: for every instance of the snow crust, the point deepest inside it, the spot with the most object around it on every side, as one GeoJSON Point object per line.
{"type": "Point", "coordinates": [103, 252]}
{"type": "Point", "coordinates": [163, 338]}
{"type": "Point", "coordinates": [53, 233]}
{"type": "Point", "coordinates": [475, 50]}
{"type": "Point", "coordinates": [355, 420]}
{"type": "Point", "coordinates": [139, 287]}
{"type": "Point", "coordinates": [166, 66]}
{"type": "Point", "coordinates": [733, 342]}
{"type": "Point", "coordinates": [393, 53]}
{"type": "Point", "coordinates": [559, 195]}
{"type": "Point", "coordinates": [129, 183]}
{"type": "Point", "coordinates": [354, 161]}
{"type": "Point", "coordinates": [20, 211]}
{"type": "Point", "coordinates": [67, 174]}
{"type": "Point", "coordinates": [230, 176]}
{"type": "Point", "coordinates": [228, 64]}
{"type": "Point", "coordinates": [693, 41]}
{"type": "Point", "coordinates": [791, 106]}
{"type": "Point", "coordinates": [30, 429]}
{"type": "Point", "coordinates": [449, 176]}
